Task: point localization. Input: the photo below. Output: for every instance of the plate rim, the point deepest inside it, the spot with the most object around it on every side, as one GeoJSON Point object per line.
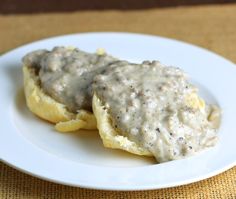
{"type": "Point", "coordinates": [113, 188]}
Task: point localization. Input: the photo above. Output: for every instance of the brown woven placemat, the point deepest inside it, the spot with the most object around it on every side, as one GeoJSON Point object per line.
{"type": "Point", "coordinates": [213, 27]}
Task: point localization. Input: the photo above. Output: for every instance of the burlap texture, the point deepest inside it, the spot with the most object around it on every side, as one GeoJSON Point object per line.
{"type": "Point", "coordinates": [213, 27]}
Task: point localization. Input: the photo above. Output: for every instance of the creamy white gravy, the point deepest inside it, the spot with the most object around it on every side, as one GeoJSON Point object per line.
{"type": "Point", "coordinates": [66, 74]}
{"type": "Point", "coordinates": [148, 104]}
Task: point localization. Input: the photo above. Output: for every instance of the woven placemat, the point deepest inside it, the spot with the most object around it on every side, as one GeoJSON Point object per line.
{"type": "Point", "coordinates": [213, 27]}
{"type": "Point", "coordinates": [14, 184]}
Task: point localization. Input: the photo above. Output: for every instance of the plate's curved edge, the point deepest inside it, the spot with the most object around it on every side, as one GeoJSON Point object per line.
{"type": "Point", "coordinates": [123, 188]}
{"type": "Point", "coordinates": [120, 33]}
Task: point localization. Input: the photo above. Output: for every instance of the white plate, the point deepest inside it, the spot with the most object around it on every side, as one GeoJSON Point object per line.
{"type": "Point", "coordinates": [33, 146]}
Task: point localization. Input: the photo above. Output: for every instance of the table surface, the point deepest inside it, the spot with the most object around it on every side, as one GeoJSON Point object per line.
{"type": "Point", "coordinates": [212, 27]}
